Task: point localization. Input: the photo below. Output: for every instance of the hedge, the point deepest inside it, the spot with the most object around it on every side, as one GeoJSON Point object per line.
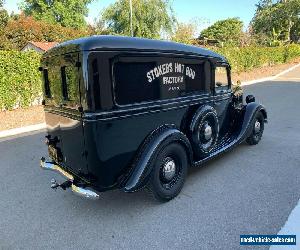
{"type": "Point", "coordinates": [21, 85]}
{"type": "Point", "coordinates": [247, 58]}
{"type": "Point", "coordinates": [20, 80]}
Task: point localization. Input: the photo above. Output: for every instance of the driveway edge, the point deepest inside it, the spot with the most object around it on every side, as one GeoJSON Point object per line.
{"type": "Point", "coordinates": [270, 78]}
{"type": "Point", "coordinates": [22, 130]}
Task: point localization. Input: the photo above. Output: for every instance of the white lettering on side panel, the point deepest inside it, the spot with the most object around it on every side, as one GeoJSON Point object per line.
{"type": "Point", "coordinates": [169, 68]}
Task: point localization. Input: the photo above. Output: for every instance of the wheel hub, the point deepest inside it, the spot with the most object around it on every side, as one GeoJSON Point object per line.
{"type": "Point", "coordinates": [257, 127]}
{"type": "Point", "coordinates": [169, 169]}
{"type": "Point", "coordinates": [207, 132]}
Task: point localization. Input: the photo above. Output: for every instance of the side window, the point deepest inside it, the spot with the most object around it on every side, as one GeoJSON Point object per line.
{"type": "Point", "coordinates": [148, 79]}
{"type": "Point", "coordinates": [63, 85]}
{"type": "Point", "coordinates": [221, 79]}
{"type": "Point", "coordinates": [69, 85]}
{"type": "Point", "coordinates": [72, 83]}
{"type": "Point", "coordinates": [55, 84]}
{"type": "Point", "coordinates": [131, 85]}
{"type": "Point", "coordinates": [61, 81]}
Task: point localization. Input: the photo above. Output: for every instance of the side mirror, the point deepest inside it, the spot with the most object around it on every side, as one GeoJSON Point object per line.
{"type": "Point", "coordinates": [250, 98]}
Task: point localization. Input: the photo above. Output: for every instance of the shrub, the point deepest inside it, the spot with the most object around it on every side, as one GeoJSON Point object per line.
{"type": "Point", "coordinates": [21, 85]}
{"type": "Point", "coordinates": [247, 58]}
{"type": "Point", "coordinates": [20, 80]}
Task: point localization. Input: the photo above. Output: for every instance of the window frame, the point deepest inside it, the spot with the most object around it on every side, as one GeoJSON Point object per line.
{"type": "Point", "coordinates": [228, 73]}
{"type": "Point", "coordinates": [95, 79]}
{"type": "Point", "coordinates": [47, 89]}
{"type": "Point", "coordinates": [132, 57]}
{"type": "Point", "coordinates": [64, 84]}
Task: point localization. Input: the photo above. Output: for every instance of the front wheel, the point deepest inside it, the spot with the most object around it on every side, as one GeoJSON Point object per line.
{"type": "Point", "coordinates": [169, 171]}
{"type": "Point", "coordinates": [257, 130]}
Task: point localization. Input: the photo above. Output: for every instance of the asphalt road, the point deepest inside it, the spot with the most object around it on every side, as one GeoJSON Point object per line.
{"type": "Point", "coordinates": [250, 190]}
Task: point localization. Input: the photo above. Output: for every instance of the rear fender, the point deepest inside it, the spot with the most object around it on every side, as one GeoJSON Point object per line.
{"type": "Point", "coordinates": [142, 166]}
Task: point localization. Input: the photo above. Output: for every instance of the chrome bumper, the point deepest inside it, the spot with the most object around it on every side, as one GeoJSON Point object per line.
{"type": "Point", "coordinates": [83, 192]}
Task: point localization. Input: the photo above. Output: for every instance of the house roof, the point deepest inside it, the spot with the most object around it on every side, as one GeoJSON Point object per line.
{"type": "Point", "coordinates": [44, 45]}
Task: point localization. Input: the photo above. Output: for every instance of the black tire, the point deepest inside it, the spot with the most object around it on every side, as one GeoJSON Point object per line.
{"type": "Point", "coordinates": [206, 116]}
{"type": "Point", "coordinates": [256, 133]}
{"type": "Point", "coordinates": [163, 186]}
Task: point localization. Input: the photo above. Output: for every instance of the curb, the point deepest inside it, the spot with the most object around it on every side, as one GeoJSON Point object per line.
{"type": "Point", "coordinates": [22, 130]}
{"type": "Point", "coordinates": [291, 226]}
{"type": "Point", "coordinates": [270, 78]}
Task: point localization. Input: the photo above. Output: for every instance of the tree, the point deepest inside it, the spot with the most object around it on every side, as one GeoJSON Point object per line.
{"type": "Point", "coordinates": [68, 13]}
{"type": "Point", "coordinates": [151, 18]}
{"type": "Point", "coordinates": [99, 27]}
{"type": "Point", "coordinates": [20, 30]}
{"type": "Point", "coordinates": [226, 31]}
{"type": "Point", "coordinates": [3, 15]}
{"type": "Point", "coordinates": [278, 22]}
{"type": "Point", "coordinates": [263, 4]}
{"type": "Point", "coordinates": [184, 33]}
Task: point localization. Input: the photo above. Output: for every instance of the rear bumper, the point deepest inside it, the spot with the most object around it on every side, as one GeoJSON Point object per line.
{"type": "Point", "coordinates": [80, 191]}
{"type": "Point", "coordinates": [56, 168]}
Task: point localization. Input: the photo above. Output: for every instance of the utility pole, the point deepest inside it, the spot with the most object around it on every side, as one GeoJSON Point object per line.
{"type": "Point", "coordinates": [131, 30]}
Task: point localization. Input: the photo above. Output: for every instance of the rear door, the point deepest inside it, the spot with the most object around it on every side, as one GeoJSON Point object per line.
{"type": "Point", "coordinates": [63, 118]}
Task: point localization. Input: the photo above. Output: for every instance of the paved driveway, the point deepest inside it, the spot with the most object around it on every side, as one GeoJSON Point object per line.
{"type": "Point", "coordinates": [251, 189]}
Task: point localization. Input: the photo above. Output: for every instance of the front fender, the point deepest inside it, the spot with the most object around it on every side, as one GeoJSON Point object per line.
{"type": "Point", "coordinates": [251, 110]}
{"type": "Point", "coordinates": [142, 166]}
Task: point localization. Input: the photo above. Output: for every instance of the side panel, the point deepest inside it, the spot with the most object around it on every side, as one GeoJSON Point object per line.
{"type": "Point", "coordinates": [113, 142]}
{"type": "Point", "coordinates": [115, 131]}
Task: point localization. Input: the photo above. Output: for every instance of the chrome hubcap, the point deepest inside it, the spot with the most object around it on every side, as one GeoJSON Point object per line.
{"type": "Point", "coordinates": [169, 169]}
{"type": "Point", "coordinates": [257, 127]}
{"type": "Point", "coordinates": [207, 132]}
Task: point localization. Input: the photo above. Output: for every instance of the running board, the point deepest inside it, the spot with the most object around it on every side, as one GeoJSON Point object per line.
{"type": "Point", "coordinates": [223, 146]}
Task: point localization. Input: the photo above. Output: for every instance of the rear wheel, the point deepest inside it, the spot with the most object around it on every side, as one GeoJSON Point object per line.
{"type": "Point", "coordinates": [168, 172]}
{"type": "Point", "coordinates": [257, 130]}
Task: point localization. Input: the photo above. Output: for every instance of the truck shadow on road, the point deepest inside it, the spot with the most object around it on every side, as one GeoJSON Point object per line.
{"type": "Point", "coordinates": [143, 198]}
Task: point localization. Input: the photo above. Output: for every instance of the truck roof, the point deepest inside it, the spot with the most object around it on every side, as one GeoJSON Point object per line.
{"type": "Point", "coordinates": [104, 42]}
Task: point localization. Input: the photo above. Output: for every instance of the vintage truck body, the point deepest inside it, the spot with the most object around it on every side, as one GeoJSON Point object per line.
{"type": "Point", "coordinates": [114, 106]}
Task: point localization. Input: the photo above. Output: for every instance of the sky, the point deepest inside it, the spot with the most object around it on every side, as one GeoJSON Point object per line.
{"type": "Point", "coordinates": [204, 11]}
